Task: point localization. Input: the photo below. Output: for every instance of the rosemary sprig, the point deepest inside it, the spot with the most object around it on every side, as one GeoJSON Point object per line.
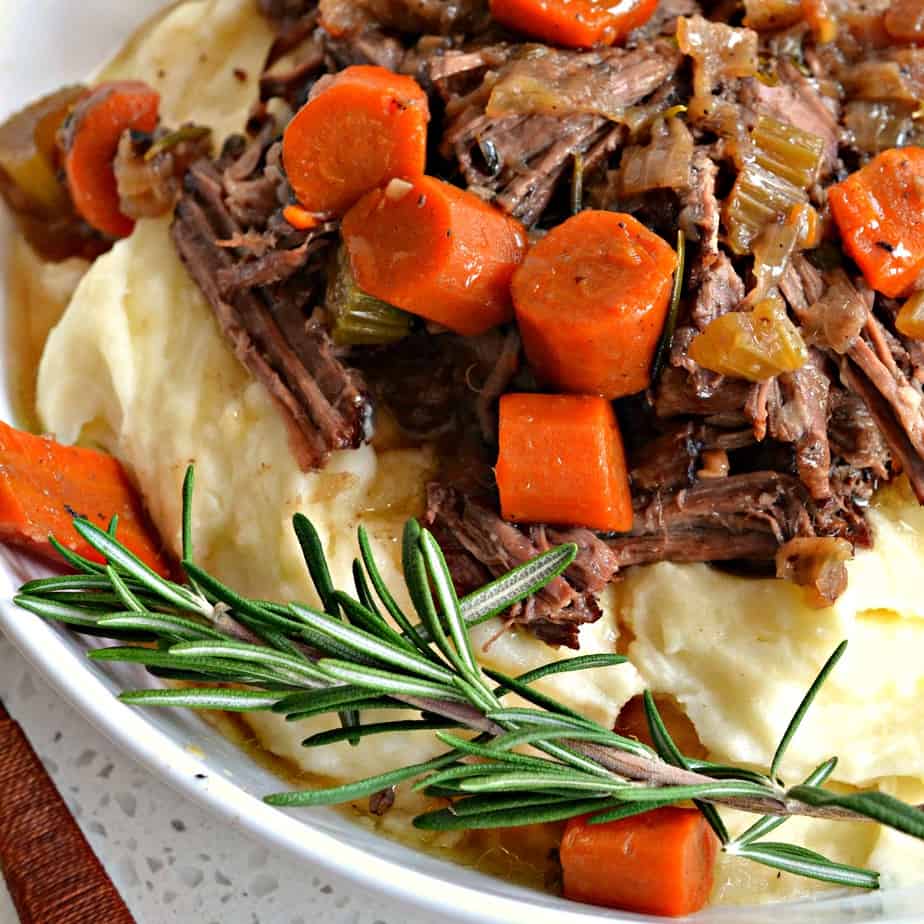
{"type": "Point", "coordinates": [363, 652]}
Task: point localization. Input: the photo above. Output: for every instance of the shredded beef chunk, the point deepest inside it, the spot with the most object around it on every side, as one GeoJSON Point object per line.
{"type": "Point", "coordinates": [514, 147]}
{"type": "Point", "coordinates": [744, 516]}
{"type": "Point", "coordinates": [270, 327]}
{"type": "Point", "coordinates": [556, 613]}
{"type": "Point", "coordinates": [439, 17]}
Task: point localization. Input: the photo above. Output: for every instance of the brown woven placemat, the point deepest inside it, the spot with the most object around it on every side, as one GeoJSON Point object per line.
{"type": "Point", "coordinates": [51, 871]}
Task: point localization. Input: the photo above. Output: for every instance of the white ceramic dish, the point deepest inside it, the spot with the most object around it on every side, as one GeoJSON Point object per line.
{"type": "Point", "coordinates": [44, 44]}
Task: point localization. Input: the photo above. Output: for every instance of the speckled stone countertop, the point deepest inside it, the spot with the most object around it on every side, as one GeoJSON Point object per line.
{"type": "Point", "coordinates": [170, 860]}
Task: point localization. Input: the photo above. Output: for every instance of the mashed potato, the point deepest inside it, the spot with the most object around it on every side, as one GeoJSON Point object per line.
{"type": "Point", "coordinates": [138, 366]}
{"type": "Point", "coordinates": [740, 653]}
{"type": "Point", "coordinates": [204, 57]}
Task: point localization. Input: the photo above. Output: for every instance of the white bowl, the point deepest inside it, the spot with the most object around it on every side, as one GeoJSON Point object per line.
{"type": "Point", "coordinates": [47, 43]}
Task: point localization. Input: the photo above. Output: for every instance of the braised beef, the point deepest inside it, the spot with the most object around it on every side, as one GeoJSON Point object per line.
{"type": "Point", "coordinates": [295, 61]}
{"type": "Point", "coordinates": [668, 461]}
{"type": "Point", "coordinates": [517, 158]}
{"type": "Point", "coordinates": [700, 216]}
{"type": "Point", "coordinates": [270, 328]}
{"type": "Point", "coordinates": [556, 613]}
{"type": "Point", "coordinates": [779, 473]}
{"type": "Point", "coordinates": [676, 396]}
{"type": "Point", "coordinates": [745, 516]}
{"type": "Point", "coordinates": [802, 419]}
{"type": "Point", "coordinates": [900, 444]}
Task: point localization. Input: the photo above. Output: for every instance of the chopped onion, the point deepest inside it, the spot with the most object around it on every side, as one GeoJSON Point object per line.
{"type": "Point", "coordinates": [719, 52]}
{"type": "Point", "coordinates": [755, 345]}
{"type": "Point", "coordinates": [772, 252]}
{"type": "Point", "coordinates": [877, 126]}
{"type": "Point", "coordinates": [836, 319]}
{"type": "Point", "coordinates": [895, 79]}
{"type": "Point", "coordinates": [816, 563]}
{"type": "Point", "coordinates": [664, 163]}
{"type": "Point", "coordinates": [910, 320]}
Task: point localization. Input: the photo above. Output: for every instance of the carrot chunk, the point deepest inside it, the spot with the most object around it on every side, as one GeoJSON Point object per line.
{"type": "Point", "coordinates": [904, 21]}
{"type": "Point", "coordinates": [878, 212]}
{"type": "Point", "coordinates": [662, 862]}
{"type": "Point", "coordinates": [561, 461]}
{"type": "Point", "coordinates": [365, 127]}
{"type": "Point", "coordinates": [91, 138]}
{"type": "Point", "coordinates": [574, 23]}
{"type": "Point", "coordinates": [591, 299]}
{"type": "Point", "coordinates": [299, 218]}
{"type": "Point", "coordinates": [436, 251]}
{"type": "Point", "coordinates": [43, 485]}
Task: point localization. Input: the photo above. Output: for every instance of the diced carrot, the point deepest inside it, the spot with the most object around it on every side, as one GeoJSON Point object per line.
{"type": "Point", "coordinates": [365, 127]}
{"type": "Point", "coordinates": [591, 299]}
{"type": "Point", "coordinates": [561, 461]}
{"type": "Point", "coordinates": [662, 862]}
{"type": "Point", "coordinates": [91, 138]}
{"type": "Point", "coordinates": [299, 218]}
{"type": "Point", "coordinates": [436, 251]}
{"type": "Point", "coordinates": [878, 211]}
{"type": "Point", "coordinates": [904, 21]}
{"type": "Point", "coordinates": [632, 722]}
{"type": "Point", "coordinates": [574, 23]}
{"type": "Point", "coordinates": [43, 485]}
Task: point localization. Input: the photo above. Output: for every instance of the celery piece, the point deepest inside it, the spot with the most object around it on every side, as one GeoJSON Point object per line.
{"type": "Point", "coordinates": [787, 151]}
{"type": "Point", "coordinates": [356, 318]}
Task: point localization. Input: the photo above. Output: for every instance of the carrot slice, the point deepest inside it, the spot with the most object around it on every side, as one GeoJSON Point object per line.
{"type": "Point", "coordinates": [299, 218]}
{"type": "Point", "coordinates": [561, 461]}
{"type": "Point", "coordinates": [878, 212]}
{"type": "Point", "coordinates": [43, 485]}
{"type": "Point", "coordinates": [91, 139]}
{"type": "Point", "coordinates": [662, 862]}
{"type": "Point", "coordinates": [574, 23]}
{"type": "Point", "coordinates": [591, 299]}
{"type": "Point", "coordinates": [365, 127]}
{"type": "Point", "coordinates": [437, 251]}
